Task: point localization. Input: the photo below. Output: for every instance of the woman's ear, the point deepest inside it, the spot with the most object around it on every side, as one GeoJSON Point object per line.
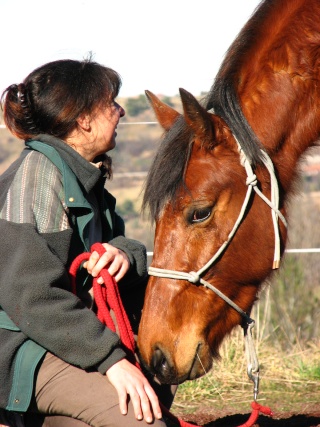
{"type": "Point", "coordinates": [84, 122]}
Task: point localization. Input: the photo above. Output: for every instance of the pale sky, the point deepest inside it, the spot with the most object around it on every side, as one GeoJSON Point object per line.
{"type": "Point", "coordinates": [156, 45]}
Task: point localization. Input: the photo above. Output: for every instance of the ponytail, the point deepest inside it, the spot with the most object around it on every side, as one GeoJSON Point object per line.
{"type": "Point", "coordinates": [17, 111]}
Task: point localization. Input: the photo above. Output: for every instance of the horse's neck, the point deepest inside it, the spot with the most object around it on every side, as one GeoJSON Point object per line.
{"type": "Point", "coordinates": [287, 143]}
{"type": "Point", "coordinates": [287, 125]}
{"type": "Point", "coordinates": [279, 82]}
{"type": "Point", "coordinates": [288, 148]}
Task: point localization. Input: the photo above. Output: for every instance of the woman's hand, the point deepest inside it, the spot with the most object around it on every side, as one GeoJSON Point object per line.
{"type": "Point", "coordinates": [115, 260]}
{"type": "Point", "coordinates": [129, 380]}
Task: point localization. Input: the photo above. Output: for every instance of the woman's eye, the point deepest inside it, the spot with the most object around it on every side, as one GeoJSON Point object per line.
{"type": "Point", "coordinates": [200, 215]}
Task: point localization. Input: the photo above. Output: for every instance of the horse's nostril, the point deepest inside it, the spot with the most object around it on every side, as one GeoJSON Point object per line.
{"type": "Point", "coordinates": [159, 362]}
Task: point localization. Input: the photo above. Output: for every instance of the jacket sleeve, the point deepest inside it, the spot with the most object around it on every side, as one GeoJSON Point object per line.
{"type": "Point", "coordinates": [137, 255]}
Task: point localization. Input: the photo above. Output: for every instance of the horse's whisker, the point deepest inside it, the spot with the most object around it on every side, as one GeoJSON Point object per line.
{"type": "Point", "coordinates": [204, 370]}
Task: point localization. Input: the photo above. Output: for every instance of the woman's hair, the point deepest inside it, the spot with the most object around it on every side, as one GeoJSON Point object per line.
{"type": "Point", "coordinates": [54, 95]}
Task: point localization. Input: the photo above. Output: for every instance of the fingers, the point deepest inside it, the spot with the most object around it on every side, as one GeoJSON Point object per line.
{"type": "Point", "coordinates": [142, 406]}
{"type": "Point", "coordinates": [153, 399]}
{"type": "Point", "coordinates": [144, 401]}
{"type": "Point", "coordinates": [115, 260]}
{"type": "Point", "coordinates": [122, 270]}
{"type": "Point", "coordinates": [129, 380]}
{"type": "Point", "coordinates": [122, 395]}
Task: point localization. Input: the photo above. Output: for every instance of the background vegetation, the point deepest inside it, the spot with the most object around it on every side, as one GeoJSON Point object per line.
{"type": "Point", "coordinates": [287, 313]}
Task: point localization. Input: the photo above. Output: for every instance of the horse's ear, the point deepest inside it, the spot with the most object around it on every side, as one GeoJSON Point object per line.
{"type": "Point", "coordinates": [166, 115]}
{"type": "Point", "coordinates": [206, 126]}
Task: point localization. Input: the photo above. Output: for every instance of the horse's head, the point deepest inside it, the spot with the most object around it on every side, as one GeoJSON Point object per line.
{"type": "Point", "coordinates": [195, 191]}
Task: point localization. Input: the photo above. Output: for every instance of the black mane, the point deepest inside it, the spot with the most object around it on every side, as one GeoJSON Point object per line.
{"type": "Point", "coordinates": [223, 97]}
{"type": "Point", "coordinates": [167, 171]}
{"type": "Point", "coordinates": [166, 174]}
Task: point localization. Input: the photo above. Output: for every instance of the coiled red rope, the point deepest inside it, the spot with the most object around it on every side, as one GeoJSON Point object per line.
{"type": "Point", "coordinates": [107, 297]}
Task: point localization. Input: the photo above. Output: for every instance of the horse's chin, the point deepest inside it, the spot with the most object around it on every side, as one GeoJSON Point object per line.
{"type": "Point", "coordinates": [177, 373]}
{"type": "Point", "coordinates": [201, 363]}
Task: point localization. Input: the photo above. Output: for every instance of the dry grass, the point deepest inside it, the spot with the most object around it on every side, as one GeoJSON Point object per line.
{"type": "Point", "coordinates": [288, 379]}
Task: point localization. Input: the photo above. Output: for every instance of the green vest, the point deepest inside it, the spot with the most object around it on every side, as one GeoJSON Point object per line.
{"type": "Point", "coordinates": [26, 361]}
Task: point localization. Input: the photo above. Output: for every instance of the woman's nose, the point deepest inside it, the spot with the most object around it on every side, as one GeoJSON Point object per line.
{"type": "Point", "coordinates": [121, 110]}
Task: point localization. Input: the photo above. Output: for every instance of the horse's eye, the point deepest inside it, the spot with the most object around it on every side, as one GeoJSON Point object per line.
{"type": "Point", "coordinates": [200, 215]}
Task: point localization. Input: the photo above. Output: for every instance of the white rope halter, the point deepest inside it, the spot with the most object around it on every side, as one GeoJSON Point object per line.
{"type": "Point", "coordinates": [195, 277]}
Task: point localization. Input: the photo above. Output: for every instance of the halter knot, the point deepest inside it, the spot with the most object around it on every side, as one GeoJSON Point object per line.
{"type": "Point", "coordinates": [193, 277]}
{"type": "Point", "coordinates": [252, 180]}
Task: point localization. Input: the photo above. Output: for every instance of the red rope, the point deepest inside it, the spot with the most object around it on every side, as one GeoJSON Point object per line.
{"type": "Point", "coordinates": [256, 409]}
{"type": "Point", "coordinates": [107, 297]}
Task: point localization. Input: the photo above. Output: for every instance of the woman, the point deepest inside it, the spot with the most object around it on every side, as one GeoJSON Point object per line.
{"type": "Point", "coordinates": [56, 357]}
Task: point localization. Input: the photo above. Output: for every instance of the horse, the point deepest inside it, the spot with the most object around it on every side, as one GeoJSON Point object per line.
{"type": "Point", "coordinates": [219, 185]}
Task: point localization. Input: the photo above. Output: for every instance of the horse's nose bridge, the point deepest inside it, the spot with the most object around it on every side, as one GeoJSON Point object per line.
{"type": "Point", "coordinates": [153, 326]}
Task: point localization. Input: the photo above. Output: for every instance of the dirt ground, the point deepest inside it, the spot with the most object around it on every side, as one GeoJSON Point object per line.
{"type": "Point", "coordinates": [305, 416]}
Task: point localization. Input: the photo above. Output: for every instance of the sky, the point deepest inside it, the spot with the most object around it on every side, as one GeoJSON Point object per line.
{"type": "Point", "coordinates": [159, 45]}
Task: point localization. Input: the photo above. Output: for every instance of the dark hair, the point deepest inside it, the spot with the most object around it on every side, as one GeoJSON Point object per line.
{"type": "Point", "coordinates": [54, 95]}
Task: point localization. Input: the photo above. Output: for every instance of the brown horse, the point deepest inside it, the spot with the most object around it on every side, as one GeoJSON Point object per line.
{"type": "Point", "coordinates": [260, 116]}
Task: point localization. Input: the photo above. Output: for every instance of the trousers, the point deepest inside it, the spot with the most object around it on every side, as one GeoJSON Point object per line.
{"type": "Point", "coordinates": [85, 396]}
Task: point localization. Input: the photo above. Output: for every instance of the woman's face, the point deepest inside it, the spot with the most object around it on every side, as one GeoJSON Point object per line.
{"type": "Point", "coordinates": [103, 126]}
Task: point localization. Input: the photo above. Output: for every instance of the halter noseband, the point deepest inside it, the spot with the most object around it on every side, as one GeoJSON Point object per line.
{"type": "Point", "coordinates": [195, 277]}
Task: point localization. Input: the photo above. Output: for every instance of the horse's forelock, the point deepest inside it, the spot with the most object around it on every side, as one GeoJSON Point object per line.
{"type": "Point", "coordinates": [166, 174]}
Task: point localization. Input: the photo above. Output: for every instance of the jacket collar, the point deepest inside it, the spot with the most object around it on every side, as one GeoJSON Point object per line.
{"type": "Point", "coordinates": [87, 174]}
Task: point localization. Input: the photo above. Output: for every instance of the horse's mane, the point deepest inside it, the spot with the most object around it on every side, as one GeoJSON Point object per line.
{"type": "Point", "coordinates": [167, 171]}
{"type": "Point", "coordinates": [223, 97]}
{"type": "Point", "coordinates": [166, 174]}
